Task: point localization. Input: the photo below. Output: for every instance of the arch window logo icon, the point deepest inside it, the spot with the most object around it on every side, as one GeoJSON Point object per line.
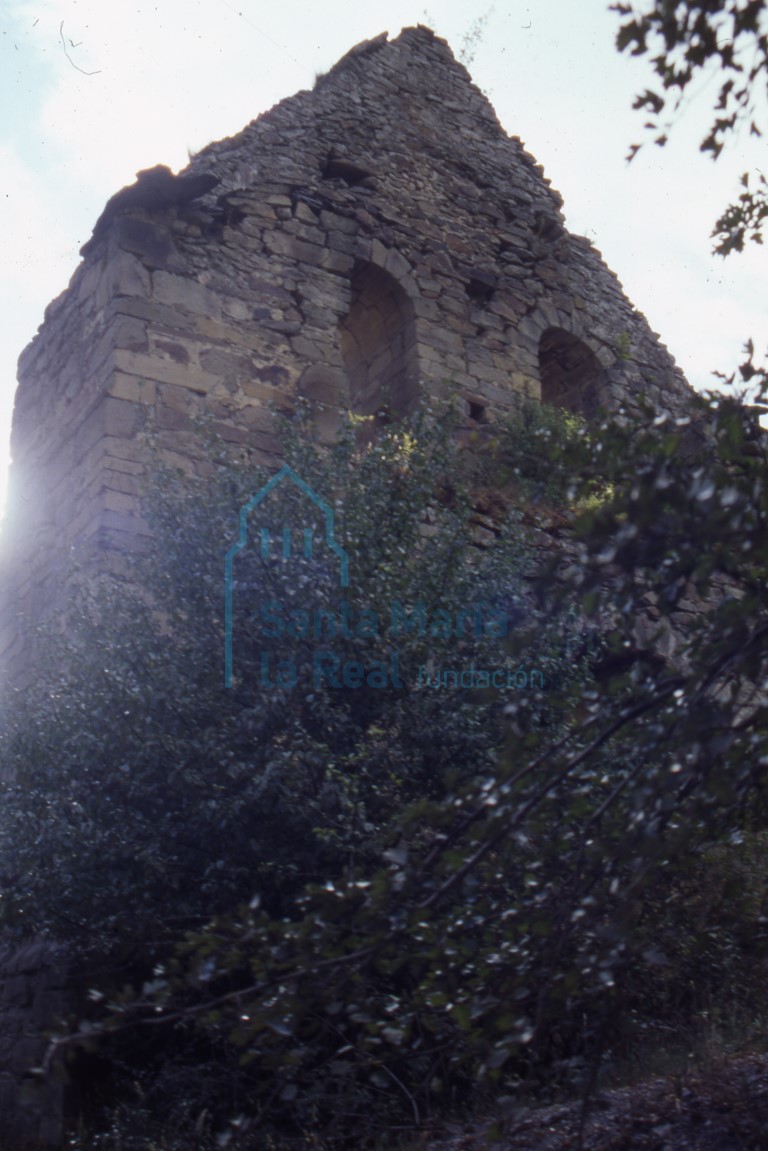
{"type": "Point", "coordinates": [284, 542]}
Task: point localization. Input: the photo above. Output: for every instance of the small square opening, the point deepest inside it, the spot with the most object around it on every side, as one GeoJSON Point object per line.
{"type": "Point", "coordinates": [351, 174]}
{"type": "Point", "coordinates": [481, 287]}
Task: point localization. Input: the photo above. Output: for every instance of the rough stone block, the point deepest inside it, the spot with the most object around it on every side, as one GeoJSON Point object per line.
{"type": "Point", "coordinates": [530, 328]}
{"type": "Point", "coordinates": [128, 332]}
{"type": "Point", "coordinates": [112, 519]}
{"type": "Point", "coordinates": [178, 350]}
{"type": "Point", "coordinates": [340, 262]}
{"type": "Point", "coordinates": [224, 363]}
{"type": "Point", "coordinates": [133, 388]}
{"type": "Point", "coordinates": [119, 481]}
{"type": "Point", "coordinates": [318, 348]}
{"type": "Point", "coordinates": [121, 418]}
{"type": "Point", "coordinates": [127, 451]}
{"type": "Point", "coordinates": [186, 294]}
{"type": "Point", "coordinates": [164, 371]}
{"type": "Point", "coordinates": [237, 309]}
{"type": "Point", "coordinates": [126, 276]}
{"type": "Point", "coordinates": [606, 356]}
{"type": "Point", "coordinates": [302, 211]}
{"type": "Point", "coordinates": [309, 232]}
{"type": "Point", "coordinates": [262, 211]}
{"type": "Point", "coordinates": [173, 396]}
{"type": "Point", "coordinates": [258, 390]}
{"type": "Point", "coordinates": [396, 265]}
{"type": "Point", "coordinates": [283, 244]}
{"type": "Point", "coordinates": [170, 419]}
{"type": "Point", "coordinates": [119, 501]}
{"type": "Point", "coordinates": [444, 339]}
{"type": "Point", "coordinates": [335, 222]}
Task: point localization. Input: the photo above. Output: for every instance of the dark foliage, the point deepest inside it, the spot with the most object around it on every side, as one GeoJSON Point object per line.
{"type": "Point", "coordinates": [371, 903]}
{"type": "Point", "coordinates": [727, 39]}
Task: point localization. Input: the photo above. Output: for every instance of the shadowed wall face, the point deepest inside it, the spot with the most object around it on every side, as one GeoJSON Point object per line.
{"type": "Point", "coordinates": [571, 375]}
{"type": "Point", "coordinates": [378, 344]}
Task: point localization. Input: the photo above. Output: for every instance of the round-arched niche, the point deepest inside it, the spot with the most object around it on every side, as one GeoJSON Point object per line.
{"type": "Point", "coordinates": [378, 346]}
{"type": "Point", "coordinates": [571, 375]}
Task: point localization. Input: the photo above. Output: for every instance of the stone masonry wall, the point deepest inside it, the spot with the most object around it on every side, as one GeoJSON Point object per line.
{"type": "Point", "coordinates": [370, 244]}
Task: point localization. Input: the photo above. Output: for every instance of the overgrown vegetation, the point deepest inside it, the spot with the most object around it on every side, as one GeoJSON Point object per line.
{"type": "Point", "coordinates": [535, 454]}
{"type": "Point", "coordinates": [345, 909]}
{"type": "Point", "coordinates": [148, 797]}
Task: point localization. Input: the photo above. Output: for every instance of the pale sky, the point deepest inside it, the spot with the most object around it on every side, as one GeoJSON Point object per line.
{"type": "Point", "coordinates": [120, 86]}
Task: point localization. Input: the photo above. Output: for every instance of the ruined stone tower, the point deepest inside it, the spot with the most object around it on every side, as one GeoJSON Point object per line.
{"type": "Point", "coordinates": [367, 244]}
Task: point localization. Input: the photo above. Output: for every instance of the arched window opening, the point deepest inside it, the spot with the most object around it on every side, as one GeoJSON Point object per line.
{"type": "Point", "coordinates": [378, 345]}
{"type": "Point", "coordinates": [571, 374]}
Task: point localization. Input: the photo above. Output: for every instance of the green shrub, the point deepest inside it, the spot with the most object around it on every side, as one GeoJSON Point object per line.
{"type": "Point", "coordinates": [388, 898]}
{"type": "Point", "coordinates": [144, 800]}
{"type": "Point", "coordinates": [538, 450]}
